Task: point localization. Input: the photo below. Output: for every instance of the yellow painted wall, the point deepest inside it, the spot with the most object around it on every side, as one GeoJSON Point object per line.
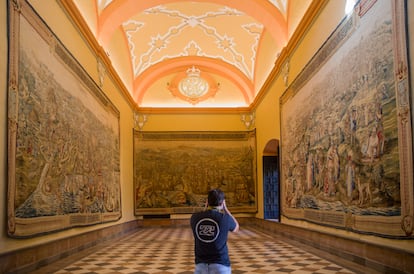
{"type": "Point", "coordinates": [193, 122]}
{"type": "Point", "coordinates": [55, 17]}
{"type": "Point", "coordinates": [268, 111]}
{"type": "Point", "coordinates": [57, 20]}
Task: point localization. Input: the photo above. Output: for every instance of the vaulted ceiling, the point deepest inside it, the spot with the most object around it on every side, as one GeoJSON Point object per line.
{"type": "Point", "coordinates": [191, 54]}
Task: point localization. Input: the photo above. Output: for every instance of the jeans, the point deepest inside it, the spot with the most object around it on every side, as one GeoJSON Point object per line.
{"type": "Point", "coordinates": [212, 269]}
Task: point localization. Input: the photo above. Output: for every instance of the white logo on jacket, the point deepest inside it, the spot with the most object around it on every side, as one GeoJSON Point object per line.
{"type": "Point", "coordinates": [207, 230]}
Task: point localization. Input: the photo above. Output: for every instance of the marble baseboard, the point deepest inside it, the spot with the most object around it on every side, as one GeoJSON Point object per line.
{"type": "Point", "coordinates": [378, 257]}
{"type": "Point", "coordinates": [30, 258]}
{"type": "Point", "coordinates": [381, 258]}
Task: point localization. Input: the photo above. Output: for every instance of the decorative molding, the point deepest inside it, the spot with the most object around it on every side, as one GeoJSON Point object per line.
{"type": "Point", "coordinates": [101, 71]}
{"type": "Point", "coordinates": [305, 24]}
{"type": "Point", "coordinates": [285, 73]}
{"type": "Point", "coordinates": [190, 76]}
{"type": "Point", "coordinates": [337, 38]}
{"type": "Point", "coordinates": [248, 120]}
{"type": "Point", "coordinates": [139, 120]}
{"type": "Point", "coordinates": [364, 6]}
{"type": "Point", "coordinates": [77, 19]}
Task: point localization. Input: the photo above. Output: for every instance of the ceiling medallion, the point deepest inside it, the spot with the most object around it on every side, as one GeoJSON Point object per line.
{"type": "Point", "coordinates": [193, 86]}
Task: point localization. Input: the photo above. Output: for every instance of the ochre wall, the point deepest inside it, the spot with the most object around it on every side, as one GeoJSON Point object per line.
{"type": "Point", "coordinates": [268, 111]}
{"type": "Point", "coordinates": [55, 17]}
{"type": "Point", "coordinates": [57, 20]}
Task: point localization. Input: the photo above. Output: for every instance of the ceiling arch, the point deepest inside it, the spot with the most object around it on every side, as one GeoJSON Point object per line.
{"type": "Point", "coordinates": [176, 65]}
{"type": "Point", "coordinates": [149, 43]}
{"type": "Point", "coordinates": [263, 11]}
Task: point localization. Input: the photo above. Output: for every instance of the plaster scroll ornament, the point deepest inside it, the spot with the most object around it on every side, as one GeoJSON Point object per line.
{"type": "Point", "coordinates": [101, 72]}
{"type": "Point", "coordinates": [248, 119]}
{"type": "Point", "coordinates": [139, 121]}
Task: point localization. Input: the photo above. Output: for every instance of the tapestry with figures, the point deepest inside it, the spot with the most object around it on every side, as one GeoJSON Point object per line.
{"type": "Point", "coordinates": [346, 145]}
{"type": "Point", "coordinates": [63, 158]}
{"type": "Point", "coordinates": [173, 171]}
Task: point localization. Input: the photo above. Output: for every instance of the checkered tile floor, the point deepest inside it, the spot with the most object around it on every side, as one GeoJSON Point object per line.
{"type": "Point", "coordinates": [170, 250]}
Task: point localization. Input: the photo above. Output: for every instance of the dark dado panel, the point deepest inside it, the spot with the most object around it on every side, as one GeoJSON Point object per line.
{"type": "Point", "coordinates": [381, 258]}
{"type": "Point", "coordinates": [30, 258]}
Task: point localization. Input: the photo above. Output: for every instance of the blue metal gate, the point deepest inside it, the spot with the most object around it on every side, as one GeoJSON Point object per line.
{"type": "Point", "coordinates": [271, 188]}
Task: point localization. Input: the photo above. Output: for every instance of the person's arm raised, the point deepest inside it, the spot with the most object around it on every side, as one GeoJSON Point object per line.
{"type": "Point", "coordinates": [227, 211]}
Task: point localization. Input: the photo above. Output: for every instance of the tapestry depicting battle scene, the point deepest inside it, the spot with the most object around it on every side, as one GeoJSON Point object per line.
{"type": "Point", "coordinates": [63, 138]}
{"type": "Point", "coordinates": [173, 171]}
{"type": "Point", "coordinates": [344, 133]}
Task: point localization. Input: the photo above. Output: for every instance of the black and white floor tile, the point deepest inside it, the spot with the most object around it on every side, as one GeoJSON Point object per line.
{"type": "Point", "coordinates": [157, 250]}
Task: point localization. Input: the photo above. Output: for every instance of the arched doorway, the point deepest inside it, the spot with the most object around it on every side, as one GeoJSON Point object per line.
{"type": "Point", "coordinates": [271, 186]}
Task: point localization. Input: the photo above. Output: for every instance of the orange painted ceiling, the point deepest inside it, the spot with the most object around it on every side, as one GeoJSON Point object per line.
{"type": "Point", "coordinates": [161, 47]}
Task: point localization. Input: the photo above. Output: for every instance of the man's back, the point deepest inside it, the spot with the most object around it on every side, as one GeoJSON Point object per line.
{"type": "Point", "coordinates": [210, 229]}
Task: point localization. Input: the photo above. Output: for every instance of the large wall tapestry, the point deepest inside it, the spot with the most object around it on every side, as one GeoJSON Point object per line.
{"type": "Point", "coordinates": [346, 143]}
{"type": "Point", "coordinates": [173, 171]}
{"type": "Point", "coordinates": [63, 135]}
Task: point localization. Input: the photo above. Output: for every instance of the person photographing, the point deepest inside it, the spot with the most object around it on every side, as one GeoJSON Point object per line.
{"type": "Point", "coordinates": [210, 230]}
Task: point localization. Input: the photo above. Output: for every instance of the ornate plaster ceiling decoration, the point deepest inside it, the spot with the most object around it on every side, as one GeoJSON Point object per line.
{"type": "Point", "coordinates": [193, 86]}
{"type": "Point", "coordinates": [229, 47]}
